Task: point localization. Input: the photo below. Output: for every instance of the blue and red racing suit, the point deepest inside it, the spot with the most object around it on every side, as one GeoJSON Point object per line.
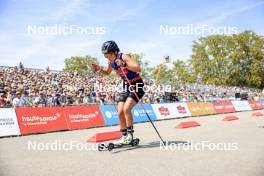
{"type": "Point", "coordinates": [134, 79]}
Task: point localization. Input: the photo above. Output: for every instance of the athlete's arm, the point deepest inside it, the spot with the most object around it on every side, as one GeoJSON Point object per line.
{"type": "Point", "coordinates": [131, 64]}
{"type": "Point", "coordinates": [106, 71]}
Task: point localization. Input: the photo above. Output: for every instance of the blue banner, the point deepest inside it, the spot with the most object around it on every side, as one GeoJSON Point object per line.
{"type": "Point", "coordinates": [109, 114]}
{"type": "Point", "coordinates": [111, 117]}
{"type": "Point", "coordinates": [262, 102]}
{"type": "Point", "coordinates": [139, 114]}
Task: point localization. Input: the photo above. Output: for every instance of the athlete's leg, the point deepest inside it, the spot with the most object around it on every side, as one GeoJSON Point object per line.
{"type": "Point", "coordinates": [121, 115]}
{"type": "Point", "coordinates": [128, 106]}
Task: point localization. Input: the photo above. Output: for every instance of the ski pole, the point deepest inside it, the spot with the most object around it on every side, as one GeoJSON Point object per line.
{"type": "Point", "coordinates": [127, 80]}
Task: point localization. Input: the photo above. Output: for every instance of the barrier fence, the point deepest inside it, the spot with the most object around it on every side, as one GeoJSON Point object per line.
{"type": "Point", "coordinates": [21, 121]}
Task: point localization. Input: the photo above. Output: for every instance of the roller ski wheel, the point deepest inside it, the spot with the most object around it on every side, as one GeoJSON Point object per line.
{"type": "Point", "coordinates": [135, 142]}
{"type": "Point", "coordinates": [110, 146]}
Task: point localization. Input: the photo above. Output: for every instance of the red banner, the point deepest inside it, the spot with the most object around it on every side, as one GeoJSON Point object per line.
{"type": "Point", "coordinates": [84, 117]}
{"type": "Point", "coordinates": [35, 120]}
{"type": "Point", "coordinates": [224, 107]}
{"type": "Point", "coordinates": [255, 104]}
{"type": "Point", "coordinates": [228, 107]}
{"type": "Point", "coordinates": [219, 107]}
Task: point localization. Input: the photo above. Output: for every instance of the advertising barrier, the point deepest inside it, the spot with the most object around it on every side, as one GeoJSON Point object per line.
{"type": "Point", "coordinates": [139, 114]}
{"type": "Point", "coordinates": [182, 110]}
{"type": "Point", "coordinates": [111, 117]}
{"type": "Point", "coordinates": [223, 107]}
{"type": "Point", "coordinates": [262, 103]}
{"type": "Point", "coordinates": [196, 109]}
{"type": "Point", "coordinates": [35, 120]}
{"type": "Point", "coordinates": [208, 108]}
{"type": "Point", "coordinates": [228, 107]}
{"type": "Point", "coordinates": [8, 122]}
{"type": "Point", "coordinates": [241, 105]}
{"type": "Point", "coordinates": [164, 111]}
{"type": "Point", "coordinates": [219, 107]}
{"type": "Point", "coordinates": [39, 120]}
{"type": "Point", "coordinates": [83, 117]}
{"type": "Point", "coordinates": [255, 104]}
{"type": "Point", "coordinates": [171, 110]}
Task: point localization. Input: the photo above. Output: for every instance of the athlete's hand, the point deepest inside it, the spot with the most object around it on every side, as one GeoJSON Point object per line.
{"type": "Point", "coordinates": [96, 67]}
{"type": "Point", "coordinates": [120, 63]}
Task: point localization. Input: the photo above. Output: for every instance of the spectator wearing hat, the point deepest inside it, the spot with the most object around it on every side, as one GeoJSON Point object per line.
{"type": "Point", "coordinates": [18, 101]}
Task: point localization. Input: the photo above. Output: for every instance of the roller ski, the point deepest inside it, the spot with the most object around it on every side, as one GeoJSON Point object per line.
{"type": "Point", "coordinates": [126, 140]}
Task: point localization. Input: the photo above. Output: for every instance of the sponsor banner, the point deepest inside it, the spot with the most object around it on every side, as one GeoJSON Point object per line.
{"type": "Point", "coordinates": [182, 110]}
{"type": "Point", "coordinates": [262, 102]}
{"type": "Point", "coordinates": [110, 115]}
{"type": "Point", "coordinates": [241, 105]}
{"type": "Point", "coordinates": [223, 107]}
{"type": "Point", "coordinates": [196, 109]}
{"type": "Point", "coordinates": [164, 111]}
{"type": "Point", "coordinates": [219, 107]}
{"type": "Point", "coordinates": [228, 106]}
{"type": "Point", "coordinates": [35, 120]}
{"type": "Point", "coordinates": [208, 108]}
{"type": "Point", "coordinates": [255, 104]}
{"type": "Point", "coordinates": [8, 122]}
{"type": "Point", "coordinates": [83, 117]}
{"type": "Point", "coordinates": [171, 110]}
{"type": "Point", "coordinates": [139, 114]}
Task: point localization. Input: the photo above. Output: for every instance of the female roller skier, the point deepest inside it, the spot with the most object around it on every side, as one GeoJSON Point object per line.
{"type": "Point", "coordinates": [128, 99]}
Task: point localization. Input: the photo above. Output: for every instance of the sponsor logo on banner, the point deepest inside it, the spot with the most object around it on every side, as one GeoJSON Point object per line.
{"type": "Point", "coordinates": [171, 110]}
{"type": "Point", "coordinates": [223, 107]}
{"type": "Point", "coordinates": [181, 109]}
{"type": "Point", "coordinates": [34, 120]}
{"type": "Point", "coordinates": [208, 108]}
{"type": "Point", "coordinates": [241, 105]}
{"type": "Point", "coordinates": [195, 109]}
{"type": "Point", "coordinates": [255, 104]}
{"type": "Point", "coordinates": [164, 111]}
{"type": "Point", "coordinates": [219, 107]}
{"type": "Point", "coordinates": [110, 115]}
{"type": "Point", "coordinates": [139, 114]}
{"type": "Point", "coordinates": [83, 117]}
{"type": "Point", "coordinates": [8, 122]}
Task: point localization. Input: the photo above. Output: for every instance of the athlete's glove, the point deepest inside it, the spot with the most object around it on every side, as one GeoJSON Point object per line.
{"type": "Point", "coordinates": [96, 67]}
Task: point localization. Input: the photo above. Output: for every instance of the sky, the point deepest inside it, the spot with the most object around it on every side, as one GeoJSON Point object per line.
{"type": "Point", "coordinates": [152, 27]}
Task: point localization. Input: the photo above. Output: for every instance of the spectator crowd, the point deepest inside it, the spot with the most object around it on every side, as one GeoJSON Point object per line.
{"type": "Point", "coordinates": [21, 87]}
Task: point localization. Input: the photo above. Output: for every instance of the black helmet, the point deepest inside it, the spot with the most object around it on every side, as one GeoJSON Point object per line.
{"type": "Point", "coordinates": [109, 46]}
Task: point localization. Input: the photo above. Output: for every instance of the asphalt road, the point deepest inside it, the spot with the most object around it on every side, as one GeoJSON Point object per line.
{"type": "Point", "coordinates": [215, 148]}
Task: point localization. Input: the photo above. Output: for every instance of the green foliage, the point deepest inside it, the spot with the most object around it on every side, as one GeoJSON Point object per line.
{"type": "Point", "coordinates": [79, 64]}
{"type": "Point", "coordinates": [235, 60]}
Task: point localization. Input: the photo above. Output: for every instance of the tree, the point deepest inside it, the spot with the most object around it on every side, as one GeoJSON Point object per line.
{"type": "Point", "coordinates": [144, 64]}
{"type": "Point", "coordinates": [235, 60]}
{"type": "Point", "coordinates": [181, 73]}
{"type": "Point", "coordinates": [79, 64]}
